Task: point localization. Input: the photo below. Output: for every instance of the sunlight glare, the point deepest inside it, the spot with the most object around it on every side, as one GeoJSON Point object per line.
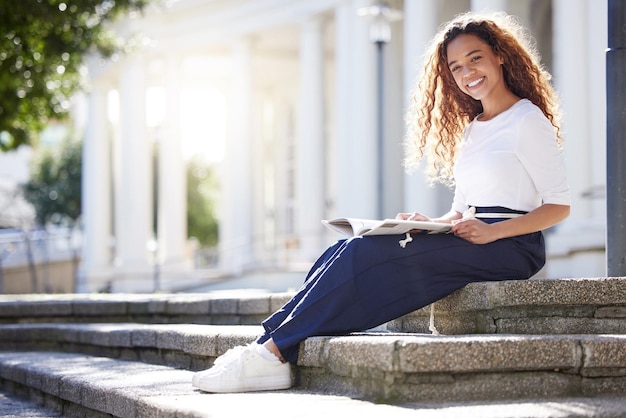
{"type": "Point", "coordinates": [203, 123]}
{"type": "Point", "coordinates": [113, 106]}
{"type": "Point", "coordinates": [155, 106]}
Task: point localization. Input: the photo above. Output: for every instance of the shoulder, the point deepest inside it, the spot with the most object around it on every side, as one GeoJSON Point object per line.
{"type": "Point", "coordinates": [528, 116]}
{"type": "Point", "coordinates": [533, 129]}
{"type": "Point", "coordinates": [525, 108]}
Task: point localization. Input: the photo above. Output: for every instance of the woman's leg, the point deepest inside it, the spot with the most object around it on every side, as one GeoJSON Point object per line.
{"type": "Point", "coordinates": [369, 281]}
{"type": "Point", "coordinates": [314, 273]}
{"type": "Point", "coordinates": [359, 284]}
{"type": "Point", "coordinates": [258, 366]}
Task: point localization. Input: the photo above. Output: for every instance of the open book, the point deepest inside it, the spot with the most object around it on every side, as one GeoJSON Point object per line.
{"type": "Point", "coordinates": [354, 226]}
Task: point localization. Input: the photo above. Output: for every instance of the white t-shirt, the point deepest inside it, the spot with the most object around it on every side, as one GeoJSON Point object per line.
{"type": "Point", "coordinates": [512, 161]}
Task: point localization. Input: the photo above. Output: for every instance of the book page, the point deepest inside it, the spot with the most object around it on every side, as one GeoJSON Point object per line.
{"type": "Point", "coordinates": [351, 226]}
{"type": "Point", "coordinates": [356, 226]}
{"type": "Point", "coordinates": [396, 226]}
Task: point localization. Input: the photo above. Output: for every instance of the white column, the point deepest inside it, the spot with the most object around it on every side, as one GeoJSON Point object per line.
{"type": "Point", "coordinates": [310, 143]}
{"type": "Point", "coordinates": [393, 117]}
{"type": "Point", "coordinates": [571, 76]}
{"type": "Point", "coordinates": [575, 75]}
{"type": "Point", "coordinates": [493, 5]}
{"type": "Point", "coordinates": [172, 196]}
{"type": "Point", "coordinates": [285, 204]}
{"type": "Point", "coordinates": [236, 212]}
{"type": "Point", "coordinates": [420, 26]}
{"type": "Point", "coordinates": [343, 57]}
{"type": "Point", "coordinates": [356, 157]}
{"type": "Point", "coordinates": [95, 265]}
{"type": "Point", "coordinates": [133, 191]}
{"type": "Point", "coordinates": [597, 36]}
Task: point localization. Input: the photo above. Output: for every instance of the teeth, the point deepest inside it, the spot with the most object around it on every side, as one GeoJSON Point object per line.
{"type": "Point", "coordinates": [475, 82]}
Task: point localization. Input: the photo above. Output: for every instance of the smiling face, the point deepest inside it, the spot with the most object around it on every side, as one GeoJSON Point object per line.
{"type": "Point", "coordinates": [476, 69]}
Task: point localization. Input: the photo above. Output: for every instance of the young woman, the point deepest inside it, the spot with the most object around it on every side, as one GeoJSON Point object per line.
{"type": "Point", "coordinates": [487, 121]}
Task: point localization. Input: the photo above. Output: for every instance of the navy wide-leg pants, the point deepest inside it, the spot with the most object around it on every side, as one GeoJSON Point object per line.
{"type": "Point", "coordinates": [362, 282]}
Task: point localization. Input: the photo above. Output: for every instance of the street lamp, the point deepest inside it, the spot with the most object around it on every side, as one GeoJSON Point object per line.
{"type": "Point", "coordinates": [380, 16]}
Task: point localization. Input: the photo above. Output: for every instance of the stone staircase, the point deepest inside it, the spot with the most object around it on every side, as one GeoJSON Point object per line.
{"type": "Point", "coordinates": [533, 348]}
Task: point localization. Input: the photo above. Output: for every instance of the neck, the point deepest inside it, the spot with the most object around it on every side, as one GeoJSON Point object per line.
{"type": "Point", "coordinates": [491, 109]}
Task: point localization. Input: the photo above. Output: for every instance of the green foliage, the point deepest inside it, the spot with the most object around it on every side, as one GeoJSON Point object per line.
{"type": "Point", "coordinates": [54, 188]}
{"type": "Point", "coordinates": [43, 44]}
{"type": "Point", "coordinates": [202, 190]}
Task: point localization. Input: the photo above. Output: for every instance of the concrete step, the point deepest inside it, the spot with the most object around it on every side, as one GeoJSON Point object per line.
{"type": "Point", "coordinates": [564, 306]}
{"type": "Point", "coordinates": [19, 407]}
{"type": "Point", "coordinates": [195, 308]}
{"type": "Point", "coordinates": [201, 308]}
{"type": "Point", "coordinates": [82, 385]}
{"type": "Point", "coordinates": [390, 367]}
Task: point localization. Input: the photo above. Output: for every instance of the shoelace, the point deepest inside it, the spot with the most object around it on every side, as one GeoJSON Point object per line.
{"type": "Point", "coordinates": [405, 241]}
{"type": "Point", "coordinates": [431, 322]}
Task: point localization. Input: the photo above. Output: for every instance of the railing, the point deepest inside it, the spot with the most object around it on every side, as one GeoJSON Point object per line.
{"type": "Point", "coordinates": [38, 247]}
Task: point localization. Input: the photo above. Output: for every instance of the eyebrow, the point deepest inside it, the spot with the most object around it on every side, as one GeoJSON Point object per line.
{"type": "Point", "coordinates": [467, 55]}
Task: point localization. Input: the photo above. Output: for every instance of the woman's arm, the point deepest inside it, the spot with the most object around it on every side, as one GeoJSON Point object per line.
{"type": "Point", "coordinates": [479, 232]}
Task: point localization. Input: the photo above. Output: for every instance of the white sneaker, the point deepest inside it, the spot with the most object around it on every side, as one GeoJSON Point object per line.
{"type": "Point", "coordinates": [243, 369]}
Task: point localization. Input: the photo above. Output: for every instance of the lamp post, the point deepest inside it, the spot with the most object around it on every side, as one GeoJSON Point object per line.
{"type": "Point", "coordinates": [616, 148]}
{"type": "Point", "coordinates": [380, 16]}
{"type": "Point", "coordinates": [5, 251]}
{"type": "Point", "coordinates": [153, 247]}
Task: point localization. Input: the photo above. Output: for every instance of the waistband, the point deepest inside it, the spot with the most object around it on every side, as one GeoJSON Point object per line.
{"type": "Point", "coordinates": [492, 212]}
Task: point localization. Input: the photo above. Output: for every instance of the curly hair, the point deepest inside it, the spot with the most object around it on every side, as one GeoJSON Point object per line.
{"type": "Point", "coordinates": [440, 111]}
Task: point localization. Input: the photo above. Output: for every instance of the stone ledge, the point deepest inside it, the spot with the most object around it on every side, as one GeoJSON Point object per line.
{"type": "Point", "coordinates": [576, 306]}
{"type": "Point", "coordinates": [537, 292]}
{"type": "Point", "coordinates": [198, 340]}
{"type": "Point", "coordinates": [372, 365]}
{"type": "Point", "coordinates": [31, 307]}
{"type": "Point", "coordinates": [400, 368]}
{"type": "Point", "coordinates": [466, 354]}
{"type": "Point", "coordinates": [79, 385]}
{"type": "Point", "coordinates": [564, 306]}
{"type": "Point", "coordinates": [608, 291]}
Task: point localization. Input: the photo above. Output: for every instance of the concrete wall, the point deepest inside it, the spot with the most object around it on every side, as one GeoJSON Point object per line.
{"type": "Point", "coordinates": [53, 277]}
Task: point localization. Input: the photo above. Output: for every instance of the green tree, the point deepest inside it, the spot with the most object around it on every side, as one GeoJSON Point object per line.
{"type": "Point", "coordinates": [43, 44]}
{"type": "Point", "coordinates": [54, 188]}
{"type": "Point", "coordinates": [202, 190]}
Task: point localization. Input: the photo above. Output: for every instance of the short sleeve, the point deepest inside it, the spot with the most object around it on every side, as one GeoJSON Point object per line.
{"type": "Point", "coordinates": [459, 202]}
{"type": "Point", "coordinates": [542, 159]}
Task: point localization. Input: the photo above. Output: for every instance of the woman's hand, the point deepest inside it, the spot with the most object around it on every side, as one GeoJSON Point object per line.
{"type": "Point", "coordinates": [478, 232]}
{"type": "Point", "coordinates": [474, 231]}
{"type": "Point", "coordinates": [413, 216]}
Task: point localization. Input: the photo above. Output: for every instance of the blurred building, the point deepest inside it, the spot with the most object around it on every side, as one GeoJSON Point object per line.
{"type": "Point", "coordinates": [282, 95]}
